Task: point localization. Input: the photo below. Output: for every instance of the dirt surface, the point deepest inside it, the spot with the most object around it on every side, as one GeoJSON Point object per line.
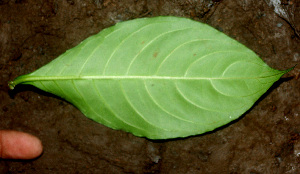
{"type": "Point", "coordinates": [264, 140]}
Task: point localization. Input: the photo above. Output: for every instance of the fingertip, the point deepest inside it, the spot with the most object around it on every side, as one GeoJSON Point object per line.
{"type": "Point", "coordinates": [19, 145]}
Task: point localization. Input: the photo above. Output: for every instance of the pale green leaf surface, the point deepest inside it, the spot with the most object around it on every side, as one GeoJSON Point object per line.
{"type": "Point", "coordinates": [162, 77]}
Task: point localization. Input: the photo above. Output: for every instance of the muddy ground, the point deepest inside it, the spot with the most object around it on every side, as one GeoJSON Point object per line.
{"type": "Point", "coordinates": [264, 140]}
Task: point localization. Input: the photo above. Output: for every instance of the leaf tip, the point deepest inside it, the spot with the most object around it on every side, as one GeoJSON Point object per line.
{"type": "Point", "coordinates": [290, 69]}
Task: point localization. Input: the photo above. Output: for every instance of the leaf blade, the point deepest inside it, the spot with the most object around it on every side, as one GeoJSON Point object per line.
{"type": "Point", "coordinates": [162, 77]}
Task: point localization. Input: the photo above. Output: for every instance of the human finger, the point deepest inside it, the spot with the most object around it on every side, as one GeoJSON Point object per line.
{"type": "Point", "coordinates": [19, 145]}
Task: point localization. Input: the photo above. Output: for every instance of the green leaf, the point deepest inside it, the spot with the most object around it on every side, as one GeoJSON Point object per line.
{"type": "Point", "coordinates": [159, 78]}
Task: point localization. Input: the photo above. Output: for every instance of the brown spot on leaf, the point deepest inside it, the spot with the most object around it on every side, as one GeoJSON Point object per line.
{"type": "Point", "coordinates": [155, 54]}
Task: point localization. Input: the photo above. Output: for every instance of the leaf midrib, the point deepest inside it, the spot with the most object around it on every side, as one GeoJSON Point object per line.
{"type": "Point", "coordinates": [154, 77]}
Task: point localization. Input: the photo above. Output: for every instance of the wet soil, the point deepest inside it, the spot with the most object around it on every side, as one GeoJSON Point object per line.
{"type": "Point", "coordinates": [264, 140]}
